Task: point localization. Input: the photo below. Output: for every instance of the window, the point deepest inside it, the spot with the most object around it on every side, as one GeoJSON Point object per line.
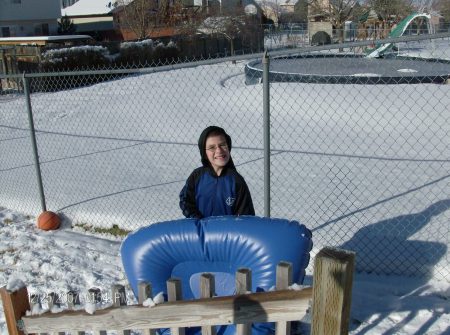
{"type": "Point", "coordinates": [45, 29]}
{"type": "Point", "coordinates": [38, 30]}
{"type": "Point", "coordinates": [6, 32]}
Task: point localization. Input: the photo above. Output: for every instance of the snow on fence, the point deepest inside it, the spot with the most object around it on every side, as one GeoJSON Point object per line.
{"type": "Point", "coordinates": [330, 294]}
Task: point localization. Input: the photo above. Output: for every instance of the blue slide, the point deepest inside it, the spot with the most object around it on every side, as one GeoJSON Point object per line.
{"type": "Point", "coordinates": [186, 248]}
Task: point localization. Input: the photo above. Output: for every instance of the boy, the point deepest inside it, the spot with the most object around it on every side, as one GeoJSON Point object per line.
{"type": "Point", "coordinates": [215, 188]}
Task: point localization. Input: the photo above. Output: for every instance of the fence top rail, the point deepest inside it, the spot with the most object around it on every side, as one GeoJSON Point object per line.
{"type": "Point", "coordinates": [362, 43]}
{"type": "Point", "coordinates": [284, 305]}
{"type": "Point", "coordinates": [214, 61]}
{"type": "Point", "coordinates": [145, 70]}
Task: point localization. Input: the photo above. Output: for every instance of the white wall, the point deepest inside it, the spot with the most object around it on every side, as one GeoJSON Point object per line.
{"type": "Point", "coordinates": [29, 17]}
{"type": "Point", "coordinates": [34, 28]}
{"type": "Point", "coordinates": [29, 10]}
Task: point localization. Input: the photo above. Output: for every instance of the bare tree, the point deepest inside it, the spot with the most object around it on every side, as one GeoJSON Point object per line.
{"type": "Point", "coordinates": [300, 13]}
{"type": "Point", "coordinates": [137, 16]}
{"type": "Point", "coordinates": [190, 19]}
{"type": "Point", "coordinates": [443, 6]}
{"type": "Point", "coordinates": [143, 17]}
{"type": "Point", "coordinates": [227, 26]}
{"type": "Point", "coordinates": [424, 6]}
{"type": "Point", "coordinates": [171, 12]}
{"type": "Point", "coordinates": [271, 10]}
{"type": "Point", "coordinates": [389, 9]}
{"type": "Point", "coordinates": [230, 24]}
{"type": "Point", "coordinates": [337, 12]}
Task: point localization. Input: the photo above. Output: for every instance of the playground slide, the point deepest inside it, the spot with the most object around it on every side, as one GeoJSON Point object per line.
{"type": "Point", "coordinates": [396, 32]}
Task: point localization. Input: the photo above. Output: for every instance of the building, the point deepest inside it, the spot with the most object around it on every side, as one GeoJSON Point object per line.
{"type": "Point", "coordinates": [320, 28]}
{"type": "Point", "coordinates": [93, 17]}
{"type": "Point", "coordinates": [67, 3]}
{"type": "Point", "coordinates": [288, 6]}
{"type": "Point", "coordinates": [29, 17]}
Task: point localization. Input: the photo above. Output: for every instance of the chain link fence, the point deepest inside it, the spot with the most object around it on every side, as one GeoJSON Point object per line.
{"type": "Point", "coordinates": [359, 146]}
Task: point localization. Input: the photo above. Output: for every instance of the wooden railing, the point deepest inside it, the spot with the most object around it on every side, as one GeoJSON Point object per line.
{"type": "Point", "coordinates": [330, 294]}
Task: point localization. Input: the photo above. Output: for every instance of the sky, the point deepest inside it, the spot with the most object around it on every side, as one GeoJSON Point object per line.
{"type": "Point", "coordinates": [68, 259]}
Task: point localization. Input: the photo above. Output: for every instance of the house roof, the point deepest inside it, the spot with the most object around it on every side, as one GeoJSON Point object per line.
{"type": "Point", "coordinates": [41, 40]}
{"type": "Point", "coordinates": [370, 15]}
{"type": "Point", "coordinates": [89, 7]}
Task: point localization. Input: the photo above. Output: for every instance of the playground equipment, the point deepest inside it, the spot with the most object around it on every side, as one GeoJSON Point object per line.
{"type": "Point", "coordinates": [397, 32]}
{"type": "Point", "coordinates": [349, 69]}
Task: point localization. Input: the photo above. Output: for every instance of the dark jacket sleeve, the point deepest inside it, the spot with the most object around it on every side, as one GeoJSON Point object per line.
{"type": "Point", "coordinates": [244, 203]}
{"type": "Point", "coordinates": [187, 198]}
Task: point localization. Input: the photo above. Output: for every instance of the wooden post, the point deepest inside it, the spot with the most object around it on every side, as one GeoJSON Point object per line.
{"type": "Point", "coordinates": [35, 302]}
{"type": "Point", "coordinates": [53, 300]}
{"type": "Point", "coordinates": [332, 289]}
{"type": "Point", "coordinates": [207, 288]}
{"type": "Point", "coordinates": [284, 276]}
{"type": "Point", "coordinates": [174, 293]}
{"type": "Point", "coordinates": [4, 70]}
{"type": "Point", "coordinates": [243, 285]}
{"type": "Point", "coordinates": [73, 299]}
{"type": "Point", "coordinates": [95, 296]}
{"type": "Point", "coordinates": [145, 292]}
{"type": "Point", "coordinates": [15, 305]}
{"type": "Point", "coordinates": [119, 297]}
{"type": "Point", "coordinates": [4, 63]}
{"type": "Point", "coordinates": [283, 281]}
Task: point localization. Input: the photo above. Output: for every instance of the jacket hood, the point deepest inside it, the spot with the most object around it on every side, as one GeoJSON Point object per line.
{"type": "Point", "coordinates": [202, 144]}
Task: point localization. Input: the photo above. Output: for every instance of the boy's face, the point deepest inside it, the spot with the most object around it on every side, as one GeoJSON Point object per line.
{"type": "Point", "coordinates": [217, 152]}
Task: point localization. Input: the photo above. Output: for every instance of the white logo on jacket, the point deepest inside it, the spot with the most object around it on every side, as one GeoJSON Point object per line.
{"type": "Point", "coordinates": [230, 201]}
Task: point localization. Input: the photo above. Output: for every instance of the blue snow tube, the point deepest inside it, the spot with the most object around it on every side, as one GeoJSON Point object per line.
{"type": "Point", "coordinates": [221, 245]}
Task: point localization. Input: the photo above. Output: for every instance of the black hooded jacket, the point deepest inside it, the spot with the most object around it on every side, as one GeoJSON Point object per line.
{"type": "Point", "coordinates": [206, 194]}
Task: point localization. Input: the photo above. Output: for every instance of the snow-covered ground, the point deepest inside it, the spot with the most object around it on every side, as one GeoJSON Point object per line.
{"type": "Point", "coordinates": [64, 260]}
{"type": "Point", "coordinates": [98, 144]}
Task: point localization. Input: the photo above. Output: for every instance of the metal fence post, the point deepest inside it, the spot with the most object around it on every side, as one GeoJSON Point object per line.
{"type": "Point", "coordinates": [266, 125]}
{"type": "Point", "coordinates": [33, 142]}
